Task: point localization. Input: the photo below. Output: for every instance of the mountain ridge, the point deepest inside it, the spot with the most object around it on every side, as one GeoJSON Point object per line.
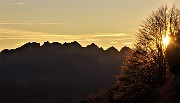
{"type": "Point", "coordinates": [60, 44]}
{"type": "Point", "coordinates": [57, 72]}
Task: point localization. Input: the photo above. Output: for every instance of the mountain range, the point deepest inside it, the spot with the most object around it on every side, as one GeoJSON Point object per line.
{"type": "Point", "coordinates": [55, 72]}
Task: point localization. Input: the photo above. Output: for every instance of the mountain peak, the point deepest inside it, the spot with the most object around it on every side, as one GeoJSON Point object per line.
{"type": "Point", "coordinates": [112, 50]}
{"type": "Point", "coordinates": [72, 44]}
{"type": "Point", "coordinates": [92, 46]}
{"type": "Point", "coordinates": [75, 43]}
{"type": "Point", "coordinates": [46, 43]}
{"type": "Point", "coordinates": [30, 45]}
{"type": "Point", "coordinates": [125, 48]}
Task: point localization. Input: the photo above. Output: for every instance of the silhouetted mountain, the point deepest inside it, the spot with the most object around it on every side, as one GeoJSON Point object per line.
{"type": "Point", "coordinates": [55, 72]}
{"type": "Point", "coordinates": [125, 49]}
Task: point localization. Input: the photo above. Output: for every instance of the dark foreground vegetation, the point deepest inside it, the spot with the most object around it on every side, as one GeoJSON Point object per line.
{"type": "Point", "coordinates": [127, 90]}
{"type": "Point", "coordinates": [151, 72]}
{"type": "Point", "coordinates": [56, 73]}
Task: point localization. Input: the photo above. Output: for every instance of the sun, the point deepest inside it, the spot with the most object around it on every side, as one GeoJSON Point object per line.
{"type": "Point", "coordinates": [166, 40]}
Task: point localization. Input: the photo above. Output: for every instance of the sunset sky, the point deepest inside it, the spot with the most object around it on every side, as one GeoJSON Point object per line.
{"type": "Point", "coordinates": [103, 22]}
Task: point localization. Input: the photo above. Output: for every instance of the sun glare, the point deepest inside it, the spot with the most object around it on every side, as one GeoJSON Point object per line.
{"type": "Point", "coordinates": [166, 40]}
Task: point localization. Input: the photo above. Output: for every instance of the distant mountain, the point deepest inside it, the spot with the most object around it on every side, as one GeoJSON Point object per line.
{"type": "Point", "coordinates": [55, 72]}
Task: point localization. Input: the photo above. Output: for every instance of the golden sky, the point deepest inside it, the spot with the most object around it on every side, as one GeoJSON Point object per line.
{"type": "Point", "coordinates": [103, 22]}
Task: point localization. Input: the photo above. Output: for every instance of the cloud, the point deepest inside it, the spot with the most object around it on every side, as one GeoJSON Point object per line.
{"type": "Point", "coordinates": [30, 23]}
{"type": "Point", "coordinates": [113, 42]}
{"type": "Point", "coordinates": [6, 33]}
{"type": "Point", "coordinates": [21, 3]}
{"type": "Point", "coordinates": [28, 35]}
{"type": "Point", "coordinates": [110, 34]}
{"type": "Point", "coordinates": [20, 44]}
{"type": "Point", "coordinates": [125, 38]}
{"type": "Point", "coordinates": [10, 38]}
{"type": "Point", "coordinates": [128, 43]}
{"type": "Point", "coordinates": [90, 40]}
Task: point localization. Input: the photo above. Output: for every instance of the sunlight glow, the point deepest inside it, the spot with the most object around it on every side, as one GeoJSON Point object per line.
{"type": "Point", "coordinates": [166, 40]}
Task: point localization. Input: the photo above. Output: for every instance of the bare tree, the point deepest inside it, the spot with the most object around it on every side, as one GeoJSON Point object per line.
{"type": "Point", "coordinates": [147, 67]}
{"type": "Point", "coordinates": [154, 35]}
{"type": "Point", "coordinates": [150, 40]}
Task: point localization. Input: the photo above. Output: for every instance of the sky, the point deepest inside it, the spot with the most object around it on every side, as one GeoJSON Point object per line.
{"type": "Point", "coordinates": [103, 22]}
